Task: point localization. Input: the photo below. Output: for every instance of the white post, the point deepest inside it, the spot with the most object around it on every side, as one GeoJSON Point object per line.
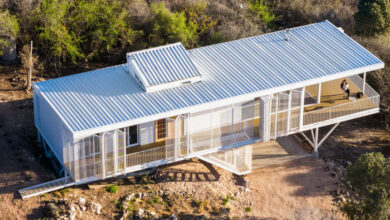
{"type": "Point", "coordinates": [265, 118]}
{"type": "Point", "coordinates": [364, 82]}
{"type": "Point", "coordinates": [276, 114]}
{"type": "Point", "coordinates": [125, 148]}
{"type": "Point", "coordinates": [39, 136]}
{"type": "Point", "coordinates": [319, 93]}
{"type": "Point", "coordinates": [76, 160]}
{"type": "Point", "coordinates": [232, 129]}
{"type": "Point", "coordinates": [102, 146]}
{"type": "Point", "coordinates": [302, 107]}
{"type": "Point", "coordinates": [288, 112]}
{"type": "Point", "coordinates": [211, 132]}
{"type": "Point", "coordinates": [316, 153]}
{"type": "Point", "coordinates": [115, 142]}
{"type": "Point", "coordinates": [188, 133]}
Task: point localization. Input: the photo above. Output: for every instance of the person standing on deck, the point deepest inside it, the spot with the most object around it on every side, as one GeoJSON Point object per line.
{"type": "Point", "coordinates": [344, 86]}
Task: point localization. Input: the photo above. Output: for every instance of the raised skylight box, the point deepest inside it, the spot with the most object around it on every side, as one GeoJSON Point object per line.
{"type": "Point", "coordinates": [162, 67]}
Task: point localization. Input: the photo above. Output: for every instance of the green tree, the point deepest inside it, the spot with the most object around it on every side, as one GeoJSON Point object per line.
{"type": "Point", "coordinates": [370, 178]}
{"type": "Point", "coordinates": [262, 11]}
{"type": "Point", "coordinates": [373, 17]}
{"type": "Point", "coordinates": [55, 40]}
{"type": "Point", "coordinates": [101, 25]}
{"type": "Point", "coordinates": [9, 29]}
{"type": "Point", "coordinates": [169, 27]}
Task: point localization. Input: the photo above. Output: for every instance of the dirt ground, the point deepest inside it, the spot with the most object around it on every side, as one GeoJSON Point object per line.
{"type": "Point", "coordinates": [299, 189]}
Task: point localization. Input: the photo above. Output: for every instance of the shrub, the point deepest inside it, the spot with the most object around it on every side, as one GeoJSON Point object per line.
{"type": "Point", "coordinates": [248, 209]}
{"type": "Point", "coordinates": [370, 178]}
{"type": "Point", "coordinates": [100, 25]}
{"type": "Point", "coordinates": [171, 27]}
{"type": "Point", "coordinates": [9, 28]}
{"type": "Point", "coordinates": [226, 199]}
{"type": "Point", "coordinates": [373, 17]}
{"type": "Point", "coordinates": [112, 188]}
{"type": "Point", "coordinates": [262, 11]}
{"type": "Point", "coordinates": [54, 37]}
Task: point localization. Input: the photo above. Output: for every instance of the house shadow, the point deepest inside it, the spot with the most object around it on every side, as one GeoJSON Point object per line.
{"type": "Point", "coordinates": [22, 160]}
{"type": "Point", "coordinates": [168, 174]}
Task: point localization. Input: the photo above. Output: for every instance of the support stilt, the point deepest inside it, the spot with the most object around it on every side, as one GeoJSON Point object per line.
{"type": "Point", "coordinates": [39, 137]}
{"type": "Point", "coordinates": [315, 143]}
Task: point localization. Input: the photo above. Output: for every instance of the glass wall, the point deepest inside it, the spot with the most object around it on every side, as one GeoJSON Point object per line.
{"type": "Point", "coordinates": [282, 119]}
{"type": "Point", "coordinates": [237, 160]}
{"type": "Point", "coordinates": [222, 126]}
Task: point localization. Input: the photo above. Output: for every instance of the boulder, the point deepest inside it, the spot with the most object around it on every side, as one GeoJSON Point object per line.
{"type": "Point", "coordinates": [140, 213]}
{"type": "Point", "coordinates": [96, 208]}
{"type": "Point", "coordinates": [172, 217]}
{"type": "Point", "coordinates": [82, 201]}
{"type": "Point", "coordinates": [52, 210]}
{"type": "Point", "coordinates": [130, 197]}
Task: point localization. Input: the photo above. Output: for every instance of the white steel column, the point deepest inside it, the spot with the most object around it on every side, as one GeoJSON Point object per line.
{"type": "Point", "coordinates": [364, 82]}
{"type": "Point", "coordinates": [76, 160]}
{"type": "Point", "coordinates": [115, 142]}
{"type": "Point", "coordinates": [265, 118]}
{"type": "Point", "coordinates": [102, 147]}
{"type": "Point", "coordinates": [288, 112]}
{"type": "Point", "coordinates": [176, 138]}
{"type": "Point", "coordinates": [319, 93]}
{"type": "Point", "coordinates": [276, 114]}
{"type": "Point", "coordinates": [211, 126]}
{"type": "Point", "coordinates": [125, 150]}
{"type": "Point", "coordinates": [316, 153]}
{"type": "Point", "coordinates": [187, 132]}
{"type": "Point", "coordinates": [302, 107]}
{"type": "Point", "coordinates": [39, 136]}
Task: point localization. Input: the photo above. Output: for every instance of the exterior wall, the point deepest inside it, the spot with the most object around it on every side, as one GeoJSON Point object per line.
{"type": "Point", "coordinates": [50, 125]}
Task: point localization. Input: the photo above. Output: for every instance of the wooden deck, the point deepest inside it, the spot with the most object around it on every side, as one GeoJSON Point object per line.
{"type": "Point", "coordinates": [331, 94]}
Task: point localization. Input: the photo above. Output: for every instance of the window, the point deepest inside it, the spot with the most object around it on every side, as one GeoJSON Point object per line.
{"type": "Point", "coordinates": [161, 129]}
{"type": "Point", "coordinates": [132, 135]}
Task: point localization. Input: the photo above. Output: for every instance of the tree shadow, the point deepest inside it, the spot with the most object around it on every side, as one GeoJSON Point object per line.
{"type": "Point", "coordinates": [317, 181]}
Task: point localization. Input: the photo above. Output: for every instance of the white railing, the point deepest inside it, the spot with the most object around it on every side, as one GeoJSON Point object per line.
{"type": "Point", "coordinates": [214, 137]}
{"type": "Point", "coordinates": [340, 110]}
{"type": "Point", "coordinates": [151, 155]}
{"type": "Point", "coordinates": [368, 90]}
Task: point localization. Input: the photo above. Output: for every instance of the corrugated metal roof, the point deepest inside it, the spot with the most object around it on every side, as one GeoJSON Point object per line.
{"type": "Point", "coordinates": [164, 64]}
{"type": "Point", "coordinates": [232, 69]}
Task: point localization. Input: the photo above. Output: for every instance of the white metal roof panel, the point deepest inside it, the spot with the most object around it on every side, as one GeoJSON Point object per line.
{"type": "Point", "coordinates": [231, 70]}
{"type": "Point", "coordinates": [164, 64]}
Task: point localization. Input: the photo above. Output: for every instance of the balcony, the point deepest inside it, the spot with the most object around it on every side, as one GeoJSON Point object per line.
{"type": "Point", "coordinates": [334, 103]}
{"type": "Point", "coordinates": [334, 106]}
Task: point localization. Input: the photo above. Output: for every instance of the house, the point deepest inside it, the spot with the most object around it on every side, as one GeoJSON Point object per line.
{"type": "Point", "coordinates": [168, 104]}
